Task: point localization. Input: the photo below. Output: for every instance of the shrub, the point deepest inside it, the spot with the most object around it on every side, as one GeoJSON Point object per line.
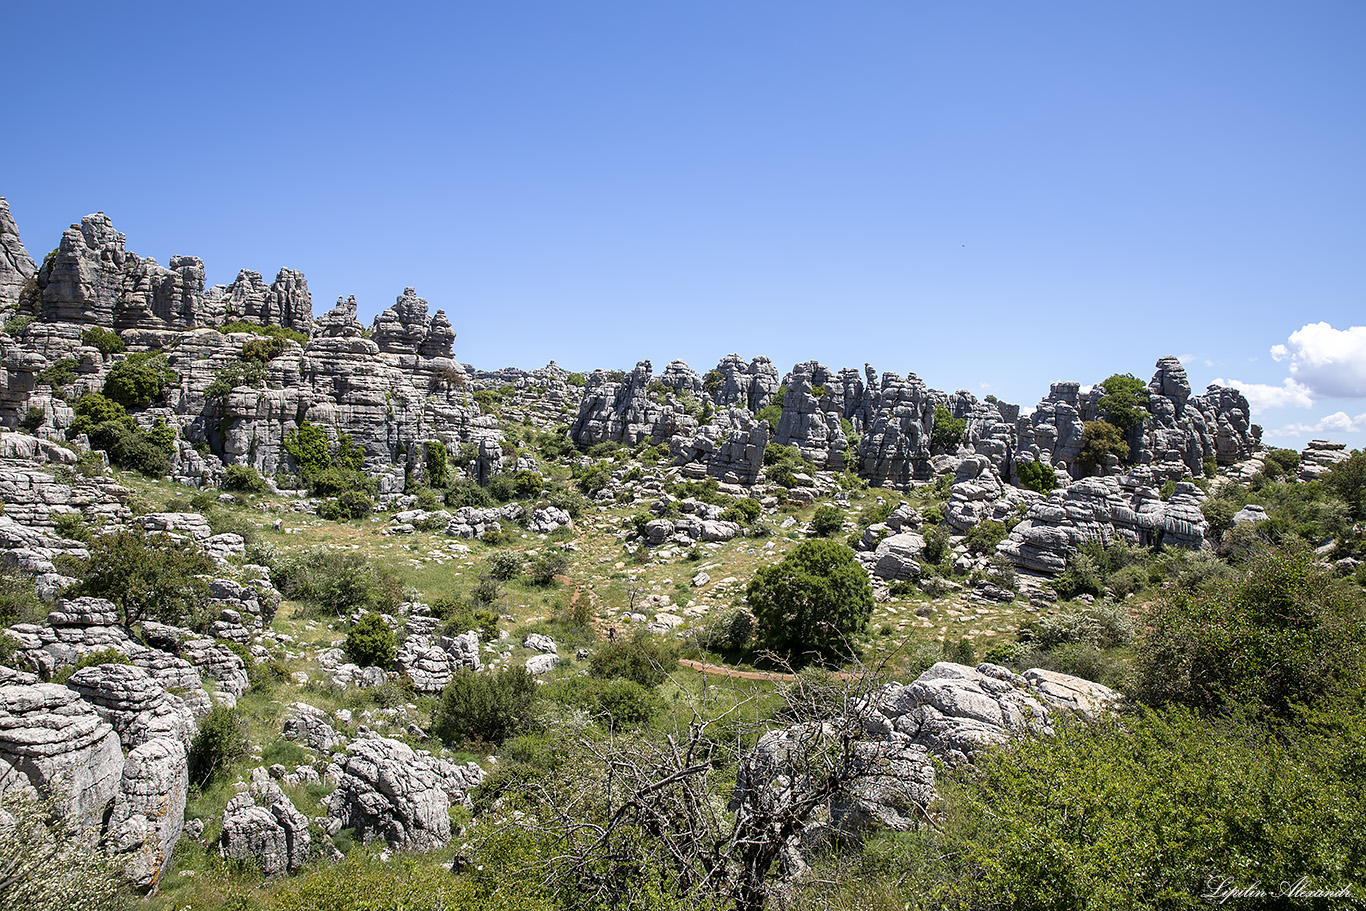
{"type": "Point", "coordinates": [505, 564]}
{"type": "Point", "coordinates": [744, 512]}
{"type": "Point", "coordinates": [543, 569]}
{"type": "Point", "coordinates": [936, 545]}
{"type": "Point", "coordinates": [19, 601]}
{"type": "Point", "coordinates": [1281, 462]}
{"type": "Point", "coordinates": [34, 418]}
{"type": "Point", "coordinates": [262, 350]}
{"type": "Point", "coordinates": [1348, 480]}
{"type": "Point", "coordinates": [339, 582]}
{"type": "Point", "coordinates": [15, 325]}
{"type": "Point", "coordinates": [1100, 440]}
{"type": "Point", "coordinates": [1124, 402]}
{"type": "Point", "coordinates": [983, 537]}
{"type": "Point", "coordinates": [221, 741]}
{"type": "Point", "coordinates": [94, 409]}
{"type": "Point", "coordinates": [98, 657]}
{"type": "Point", "coordinates": [235, 374]}
{"type": "Point", "coordinates": [272, 331]}
{"type": "Point", "coordinates": [244, 478]}
{"type": "Point", "coordinates": [568, 500]}
{"type": "Point", "coordinates": [335, 481]}
{"type": "Point", "coordinates": [485, 708]}
{"type": "Point", "coordinates": [814, 600]}
{"type": "Point", "coordinates": [594, 478]}
{"type": "Point", "coordinates": [371, 642]}
{"type": "Point", "coordinates": [730, 631]}
{"type": "Point", "coordinates": [102, 340]}
{"type": "Point", "coordinates": [948, 430]}
{"type": "Point", "coordinates": [468, 493]}
{"type": "Point", "coordinates": [960, 651]}
{"type": "Point", "coordinates": [49, 861]}
{"type": "Point", "coordinates": [459, 617]}
{"type": "Point", "coordinates": [1082, 576]}
{"type": "Point", "coordinates": [527, 484]}
{"type": "Point", "coordinates": [618, 702]}
{"type": "Point", "coordinates": [642, 658]}
{"type": "Point", "coordinates": [782, 462]}
{"type": "Point", "coordinates": [1282, 633]}
{"type": "Point", "coordinates": [148, 576]}
{"type": "Point", "coordinates": [351, 504]}
{"type": "Point", "coordinates": [1037, 476]}
{"type": "Point", "coordinates": [58, 373]}
{"type": "Point", "coordinates": [434, 455]}
{"type": "Point", "coordinates": [138, 379]}
{"type": "Point", "coordinates": [309, 447]}
{"type": "Point", "coordinates": [826, 521]}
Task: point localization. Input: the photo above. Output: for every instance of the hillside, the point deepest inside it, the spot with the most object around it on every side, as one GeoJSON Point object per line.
{"type": "Point", "coordinates": [305, 614]}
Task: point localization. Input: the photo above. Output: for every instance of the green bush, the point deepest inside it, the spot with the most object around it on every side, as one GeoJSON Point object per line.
{"type": "Point", "coordinates": [1037, 476]}
{"type": "Point", "coordinates": [94, 409]}
{"type": "Point", "coordinates": [479, 708]}
{"type": "Point", "coordinates": [150, 577]}
{"type": "Point", "coordinates": [244, 478]}
{"type": "Point", "coordinates": [279, 332]}
{"type": "Point", "coordinates": [782, 462]}
{"type": "Point", "coordinates": [1124, 404]}
{"type": "Point", "coordinates": [1082, 576]}
{"type": "Point", "coordinates": [263, 350]}
{"type": "Point", "coordinates": [936, 548]}
{"type": "Point", "coordinates": [593, 478]}
{"type": "Point", "coordinates": [505, 564]}
{"type": "Point", "coordinates": [545, 566]}
{"type": "Point", "coordinates": [338, 582]}
{"type": "Point", "coordinates": [743, 511]}
{"type": "Point", "coordinates": [309, 447]}
{"type": "Point", "coordinates": [233, 376]}
{"type": "Point", "coordinates": [335, 481]}
{"type": "Point", "coordinates": [371, 643]}
{"type": "Point", "coordinates": [102, 340]}
{"type": "Point", "coordinates": [220, 742]}
{"type": "Point", "coordinates": [58, 373]}
{"type": "Point", "coordinates": [467, 493]}
{"type": "Point", "coordinates": [1281, 634]}
{"type": "Point", "coordinates": [983, 537]}
{"type": "Point", "coordinates": [642, 658]}
{"type": "Point", "coordinates": [434, 455]}
{"type": "Point", "coordinates": [19, 601]}
{"type": "Point", "coordinates": [1348, 480]}
{"type": "Point", "coordinates": [948, 430]}
{"type": "Point", "coordinates": [349, 505]}
{"type": "Point", "coordinates": [826, 521]}
{"type": "Point", "coordinates": [618, 702]}
{"type": "Point", "coordinates": [138, 379]}
{"type": "Point", "coordinates": [527, 484]}
{"type": "Point", "coordinates": [1281, 462]}
{"type": "Point", "coordinates": [1099, 441]}
{"type": "Point", "coordinates": [459, 617]}
{"type": "Point", "coordinates": [815, 600]}
{"type": "Point", "coordinates": [34, 418]}
{"type": "Point", "coordinates": [15, 325]}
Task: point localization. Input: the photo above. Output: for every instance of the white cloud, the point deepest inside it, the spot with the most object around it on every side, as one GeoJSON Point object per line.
{"type": "Point", "coordinates": [1337, 422]}
{"type": "Point", "coordinates": [1261, 396]}
{"type": "Point", "coordinates": [1328, 362]}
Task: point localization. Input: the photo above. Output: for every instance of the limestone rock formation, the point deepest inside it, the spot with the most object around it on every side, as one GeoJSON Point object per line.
{"type": "Point", "coordinates": [895, 448]}
{"type": "Point", "coordinates": [286, 302]}
{"type": "Point", "coordinates": [262, 824]}
{"type": "Point", "coordinates": [308, 725]}
{"type": "Point", "coordinates": [432, 664]}
{"type": "Point", "coordinates": [805, 422]}
{"type": "Point", "coordinates": [387, 792]}
{"type": "Point", "coordinates": [730, 448]}
{"type": "Point", "coordinates": [16, 266]}
{"type": "Point", "coordinates": [149, 810]}
{"type": "Point", "coordinates": [134, 704]}
{"type": "Point", "coordinates": [1105, 509]}
{"type": "Point", "coordinates": [60, 743]}
{"type": "Point", "coordinates": [1319, 457]}
{"type": "Point", "coordinates": [625, 413]}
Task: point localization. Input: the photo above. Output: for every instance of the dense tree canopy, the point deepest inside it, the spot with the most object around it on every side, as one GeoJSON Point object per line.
{"type": "Point", "coordinates": [815, 600]}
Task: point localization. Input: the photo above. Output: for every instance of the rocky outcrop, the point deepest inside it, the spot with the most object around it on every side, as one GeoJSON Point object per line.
{"type": "Point", "coordinates": [472, 522]}
{"type": "Point", "coordinates": [730, 448]}
{"type": "Point", "coordinates": [401, 329]}
{"type": "Point", "coordinates": [134, 704]}
{"type": "Point", "coordinates": [387, 792]}
{"type": "Point", "coordinates": [625, 413]}
{"type": "Point", "coordinates": [808, 424]}
{"type": "Point", "coordinates": [679, 377]}
{"type": "Point", "coordinates": [979, 495]}
{"type": "Point", "coordinates": [1319, 457]}
{"type": "Point", "coordinates": [750, 386]}
{"type": "Point", "coordinates": [1104, 510]}
{"type": "Point", "coordinates": [895, 448]}
{"type": "Point", "coordinates": [431, 664]}
{"type": "Point", "coordinates": [308, 725]}
{"type": "Point", "coordinates": [286, 302]}
{"type": "Point", "coordinates": [60, 744]}
{"type": "Point", "coordinates": [954, 711]}
{"type": "Point", "coordinates": [262, 824]}
{"type": "Point", "coordinates": [16, 266]}
{"type": "Point", "coordinates": [149, 810]}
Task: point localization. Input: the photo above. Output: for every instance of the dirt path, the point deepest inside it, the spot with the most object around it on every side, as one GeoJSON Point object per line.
{"type": "Point", "coordinates": [721, 671]}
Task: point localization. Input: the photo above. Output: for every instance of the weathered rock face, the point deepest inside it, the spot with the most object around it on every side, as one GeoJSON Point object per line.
{"type": "Point", "coordinates": [1104, 510]}
{"type": "Point", "coordinates": [149, 810]}
{"type": "Point", "coordinates": [388, 792]}
{"type": "Point", "coordinates": [308, 725]}
{"type": "Point", "coordinates": [895, 447]}
{"type": "Point", "coordinates": [134, 704]}
{"type": "Point", "coordinates": [60, 743]}
{"type": "Point", "coordinates": [1052, 433]}
{"type": "Point", "coordinates": [286, 302]}
{"type": "Point", "coordinates": [750, 386]}
{"type": "Point", "coordinates": [980, 495]}
{"type": "Point", "coordinates": [679, 377]}
{"type": "Point", "coordinates": [730, 448]}
{"type": "Point", "coordinates": [625, 413]}
{"type": "Point", "coordinates": [954, 711]}
{"type": "Point", "coordinates": [810, 423]}
{"type": "Point", "coordinates": [262, 824]}
{"type": "Point", "coordinates": [432, 664]}
{"type": "Point", "coordinates": [401, 329]}
{"type": "Point", "coordinates": [16, 266]}
{"type": "Point", "coordinates": [1319, 457]}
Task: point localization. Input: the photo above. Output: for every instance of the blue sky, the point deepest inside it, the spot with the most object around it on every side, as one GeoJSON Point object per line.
{"type": "Point", "coordinates": [993, 196]}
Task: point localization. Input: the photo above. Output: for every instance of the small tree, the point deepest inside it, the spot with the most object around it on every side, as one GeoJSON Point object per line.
{"type": "Point", "coordinates": [1124, 403]}
{"type": "Point", "coordinates": [220, 741]}
{"type": "Point", "coordinates": [371, 642]}
{"type": "Point", "coordinates": [815, 600]}
{"type": "Point", "coordinates": [138, 379]}
{"type": "Point", "coordinates": [485, 708]}
{"type": "Point", "coordinates": [1348, 480]}
{"type": "Point", "coordinates": [948, 430]}
{"type": "Point", "coordinates": [1037, 476]}
{"type": "Point", "coordinates": [1100, 440]}
{"type": "Point", "coordinates": [826, 521]}
{"type": "Point", "coordinates": [149, 577]}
